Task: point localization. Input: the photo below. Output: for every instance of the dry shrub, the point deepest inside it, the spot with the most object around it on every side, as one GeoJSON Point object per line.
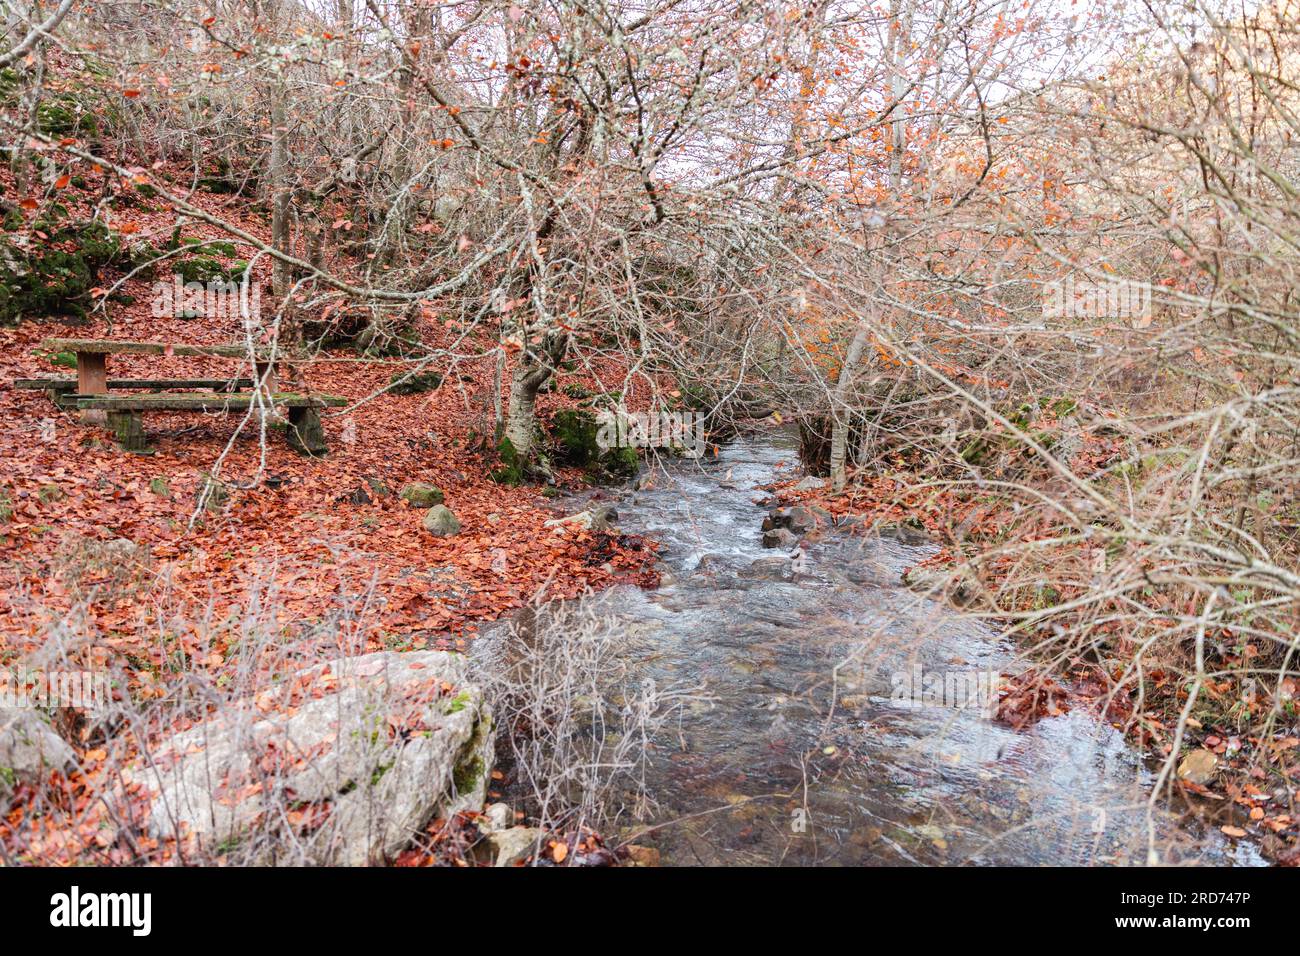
{"type": "Point", "coordinates": [577, 726]}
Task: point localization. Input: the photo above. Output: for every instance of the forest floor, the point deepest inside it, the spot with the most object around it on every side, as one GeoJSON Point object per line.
{"type": "Point", "coordinates": [319, 539]}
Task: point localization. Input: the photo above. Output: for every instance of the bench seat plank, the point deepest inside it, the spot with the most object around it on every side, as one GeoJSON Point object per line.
{"type": "Point", "coordinates": [111, 347]}
{"type": "Point", "coordinates": [70, 384]}
{"type": "Point", "coordinates": [201, 401]}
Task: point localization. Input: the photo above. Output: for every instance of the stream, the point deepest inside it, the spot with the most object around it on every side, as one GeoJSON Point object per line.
{"type": "Point", "coordinates": [799, 752]}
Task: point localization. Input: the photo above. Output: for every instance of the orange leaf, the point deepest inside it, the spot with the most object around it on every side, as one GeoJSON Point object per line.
{"type": "Point", "coordinates": [561, 851]}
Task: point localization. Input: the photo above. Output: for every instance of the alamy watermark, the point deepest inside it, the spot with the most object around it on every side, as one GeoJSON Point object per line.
{"type": "Point", "coordinates": [681, 430]}
{"type": "Point", "coordinates": [960, 690]}
{"type": "Point", "coordinates": [1072, 298]}
{"type": "Point", "coordinates": [49, 690]}
{"type": "Point", "coordinates": [217, 299]}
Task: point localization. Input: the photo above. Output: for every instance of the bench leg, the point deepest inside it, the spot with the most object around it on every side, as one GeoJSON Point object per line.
{"type": "Point", "coordinates": [264, 380]}
{"type": "Point", "coordinates": [306, 434]}
{"type": "Point", "coordinates": [265, 376]}
{"type": "Point", "coordinates": [129, 429]}
{"type": "Point", "coordinates": [92, 379]}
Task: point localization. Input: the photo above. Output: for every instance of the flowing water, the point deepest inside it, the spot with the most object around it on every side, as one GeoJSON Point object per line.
{"type": "Point", "coordinates": [800, 752]}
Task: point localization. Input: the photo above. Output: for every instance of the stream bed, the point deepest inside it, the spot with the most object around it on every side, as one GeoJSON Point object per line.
{"type": "Point", "coordinates": [800, 750]}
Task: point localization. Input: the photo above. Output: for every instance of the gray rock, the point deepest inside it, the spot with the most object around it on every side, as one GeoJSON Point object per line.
{"type": "Point", "coordinates": [769, 569]}
{"type": "Point", "coordinates": [595, 518]}
{"type": "Point", "coordinates": [810, 483]}
{"type": "Point", "coordinates": [383, 742]}
{"type": "Point", "coordinates": [439, 520]}
{"type": "Point", "coordinates": [496, 816]}
{"type": "Point", "coordinates": [803, 518]}
{"type": "Point", "coordinates": [603, 517]}
{"type": "Point", "coordinates": [905, 534]}
{"type": "Point", "coordinates": [516, 844]}
{"type": "Point", "coordinates": [800, 519]}
{"type": "Point", "coordinates": [1198, 766]}
{"type": "Point", "coordinates": [421, 495]}
{"type": "Point", "coordinates": [29, 749]}
{"type": "Point", "coordinates": [780, 538]}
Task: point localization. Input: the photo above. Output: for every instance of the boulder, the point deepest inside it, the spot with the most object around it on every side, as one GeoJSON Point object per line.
{"type": "Point", "coordinates": [1199, 766]}
{"type": "Point", "coordinates": [421, 495]}
{"type": "Point", "coordinates": [769, 569]}
{"type": "Point", "coordinates": [29, 749]}
{"type": "Point", "coordinates": [595, 518]}
{"type": "Point", "coordinates": [800, 519]}
{"type": "Point", "coordinates": [810, 483]}
{"type": "Point", "coordinates": [780, 538]}
{"type": "Point", "coordinates": [516, 844]}
{"type": "Point", "coordinates": [905, 534]}
{"type": "Point", "coordinates": [339, 764]}
{"type": "Point", "coordinates": [710, 564]}
{"type": "Point", "coordinates": [440, 521]}
{"type": "Point", "coordinates": [496, 816]}
{"type": "Point", "coordinates": [804, 518]}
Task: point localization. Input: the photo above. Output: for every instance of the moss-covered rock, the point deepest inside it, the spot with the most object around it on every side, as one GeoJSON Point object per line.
{"type": "Point", "coordinates": [56, 275]}
{"type": "Point", "coordinates": [422, 495]}
{"type": "Point", "coordinates": [200, 269]}
{"type": "Point", "coordinates": [406, 383]}
{"type": "Point", "coordinates": [511, 470]}
{"type": "Point", "coordinates": [574, 442]}
{"type": "Point", "coordinates": [573, 434]}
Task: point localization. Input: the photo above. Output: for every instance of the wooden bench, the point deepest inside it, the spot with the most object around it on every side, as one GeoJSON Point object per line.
{"type": "Point", "coordinates": [58, 389]}
{"type": "Point", "coordinates": [124, 413]}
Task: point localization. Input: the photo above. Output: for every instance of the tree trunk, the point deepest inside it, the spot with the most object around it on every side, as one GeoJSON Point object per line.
{"type": "Point", "coordinates": [280, 192]}
{"type": "Point", "coordinates": [521, 417]}
{"type": "Point", "coordinates": [840, 411]}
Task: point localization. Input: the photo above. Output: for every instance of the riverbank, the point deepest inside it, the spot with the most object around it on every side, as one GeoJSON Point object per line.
{"type": "Point", "coordinates": [1240, 782]}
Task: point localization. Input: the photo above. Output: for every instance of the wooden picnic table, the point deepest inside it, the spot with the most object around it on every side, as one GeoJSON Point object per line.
{"type": "Point", "coordinates": [92, 361]}
{"type": "Point", "coordinates": [122, 412]}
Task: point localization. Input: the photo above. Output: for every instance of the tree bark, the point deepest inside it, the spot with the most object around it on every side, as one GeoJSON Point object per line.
{"type": "Point", "coordinates": [840, 411]}
{"type": "Point", "coordinates": [521, 416]}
